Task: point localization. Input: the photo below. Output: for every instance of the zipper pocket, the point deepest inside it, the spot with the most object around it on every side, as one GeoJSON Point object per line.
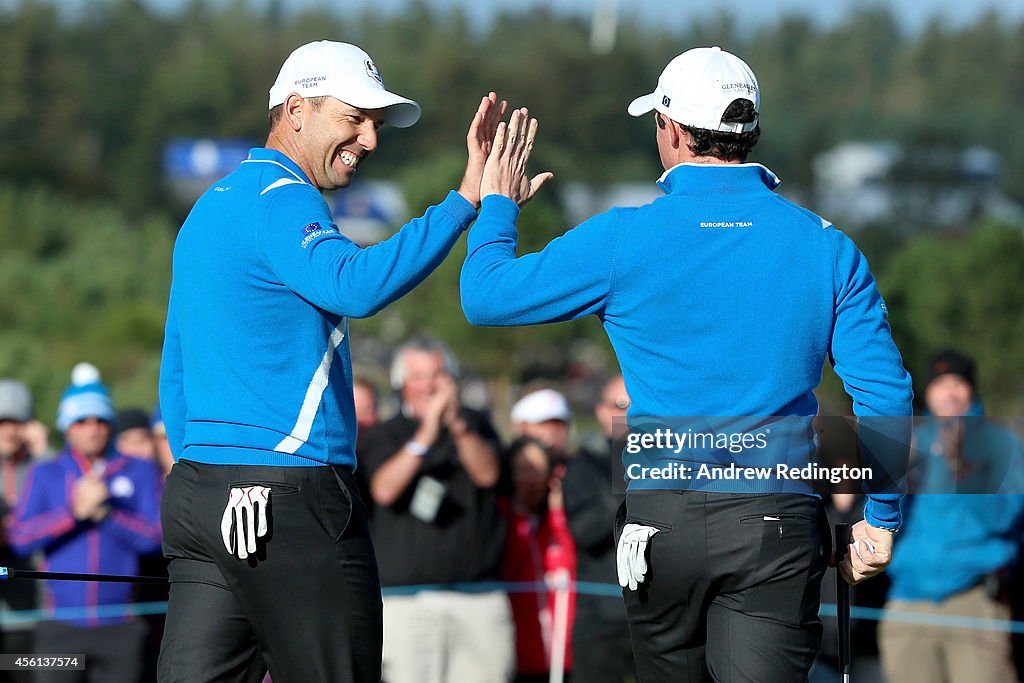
{"type": "Point", "coordinates": [770, 518]}
{"type": "Point", "coordinates": [778, 520]}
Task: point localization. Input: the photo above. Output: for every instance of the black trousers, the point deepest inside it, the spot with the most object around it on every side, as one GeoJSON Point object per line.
{"type": "Point", "coordinates": [308, 606]}
{"type": "Point", "coordinates": [733, 587]}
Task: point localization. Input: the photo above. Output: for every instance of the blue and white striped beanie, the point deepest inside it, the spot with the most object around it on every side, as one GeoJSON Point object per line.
{"type": "Point", "coordinates": [85, 398]}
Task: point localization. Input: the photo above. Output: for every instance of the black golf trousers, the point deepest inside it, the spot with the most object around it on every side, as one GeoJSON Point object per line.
{"type": "Point", "coordinates": [307, 606]}
{"type": "Point", "coordinates": [733, 586]}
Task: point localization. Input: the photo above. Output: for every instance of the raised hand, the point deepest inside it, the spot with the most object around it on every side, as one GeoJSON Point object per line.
{"type": "Point", "coordinates": [478, 144]}
{"type": "Point", "coordinates": [505, 170]}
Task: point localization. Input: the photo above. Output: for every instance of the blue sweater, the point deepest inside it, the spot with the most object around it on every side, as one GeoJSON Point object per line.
{"type": "Point", "coordinates": [720, 299]}
{"type": "Point", "coordinates": [256, 367]}
{"type": "Point", "coordinates": [43, 521]}
{"type": "Point", "coordinates": [960, 528]}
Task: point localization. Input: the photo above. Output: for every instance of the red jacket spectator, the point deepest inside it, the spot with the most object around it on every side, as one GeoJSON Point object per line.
{"type": "Point", "coordinates": [538, 548]}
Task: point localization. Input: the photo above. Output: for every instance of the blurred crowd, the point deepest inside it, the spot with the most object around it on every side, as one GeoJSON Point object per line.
{"type": "Point", "coordinates": [496, 552]}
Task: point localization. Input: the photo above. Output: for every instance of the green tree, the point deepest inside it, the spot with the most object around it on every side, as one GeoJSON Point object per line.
{"type": "Point", "coordinates": [963, 291]}
{"type": "Point", "coordinates": [81, 282]}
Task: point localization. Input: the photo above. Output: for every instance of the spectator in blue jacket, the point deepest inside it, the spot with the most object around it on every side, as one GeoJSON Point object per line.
{"type": "Point", "coordinates": [960, 540]}
{"type": "Point", "coordinates": [91, 510]}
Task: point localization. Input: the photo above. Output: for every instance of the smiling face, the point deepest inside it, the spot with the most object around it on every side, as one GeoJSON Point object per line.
{"type": "Point", "coordinates": [326, 137]}
{"type": "Point", "coordinates": [338, 138]}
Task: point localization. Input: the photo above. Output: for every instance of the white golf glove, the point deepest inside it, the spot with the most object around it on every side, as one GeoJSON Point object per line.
{"type": "Point", "coordinates": [245, 519]}
{"type": "Point", "coordinates": [631, 557]}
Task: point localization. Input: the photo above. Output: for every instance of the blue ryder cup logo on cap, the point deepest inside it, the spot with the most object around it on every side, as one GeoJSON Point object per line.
{"type": "Point", "coordinates": [311, 228]}
{"type": "Point", "coordinates": [666, 101]}
{"type": "Point", "coordinates": [372, 72]}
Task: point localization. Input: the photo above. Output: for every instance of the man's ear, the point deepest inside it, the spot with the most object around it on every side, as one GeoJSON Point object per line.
{"type": "Point", "coordinates": [678, 136]}
{"type": "Point", "coordinates": [295, 111]}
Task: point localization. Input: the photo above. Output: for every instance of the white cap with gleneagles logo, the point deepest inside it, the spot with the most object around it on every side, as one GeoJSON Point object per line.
{"type": "Point", "coordinates": [344, 72]}
{"type": "Point", "coordinates": [696, 88]}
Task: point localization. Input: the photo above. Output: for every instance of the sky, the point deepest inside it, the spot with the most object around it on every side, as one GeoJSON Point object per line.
{"type": "Point", "coordinates": [912, 14]}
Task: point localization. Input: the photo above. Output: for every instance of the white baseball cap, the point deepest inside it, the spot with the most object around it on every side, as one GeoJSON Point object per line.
{"type": "Point", "coordinates": [345, 72]}
{"type": "Point", "coordinates": [696, 88]}
{"type": "Point", "coordinates": [540, 406]}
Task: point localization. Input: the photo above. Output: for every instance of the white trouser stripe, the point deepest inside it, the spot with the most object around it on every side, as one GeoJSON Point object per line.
{"type": "Point", "coordinates": [314, 393]}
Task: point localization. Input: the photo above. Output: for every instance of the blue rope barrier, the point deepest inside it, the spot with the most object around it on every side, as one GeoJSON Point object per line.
{"type": "Point", "coordinates": [72, 613]}
{"type": "Point", "coordinates": [925, 619]}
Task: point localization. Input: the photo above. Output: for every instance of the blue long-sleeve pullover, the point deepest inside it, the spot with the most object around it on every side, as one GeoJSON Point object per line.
{"type": "Point", "coordinates": [721, 298]}
{"type": "Point", "coordinates": [256, 367]}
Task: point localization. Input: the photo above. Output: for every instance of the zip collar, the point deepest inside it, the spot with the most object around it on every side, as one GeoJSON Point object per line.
{"type": "Point", "coordinates": [264, 155]}
{"type": "Point", "coordinates": [690, 178]}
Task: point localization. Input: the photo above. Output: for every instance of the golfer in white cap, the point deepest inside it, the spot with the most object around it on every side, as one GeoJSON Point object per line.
{"type": "Point", "coordinates": [720, 298]}
{"type": "Point", "coordinates": [271, 564]}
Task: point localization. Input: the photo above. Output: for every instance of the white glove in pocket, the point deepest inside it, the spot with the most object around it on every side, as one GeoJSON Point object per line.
{"type": "Point", "coordinates": [631, 554]}
{"type": "Point", "coordinates": [245, 519]}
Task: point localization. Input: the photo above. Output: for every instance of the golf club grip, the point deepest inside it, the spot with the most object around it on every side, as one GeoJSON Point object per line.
{"type": "Point", "coordinates": [843, 601]}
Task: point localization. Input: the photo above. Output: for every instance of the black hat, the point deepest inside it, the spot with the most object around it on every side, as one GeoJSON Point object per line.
{"type": "Point", "coordinates": [132, 418]}
{"type": "Point", "coordinates": [951, 362]}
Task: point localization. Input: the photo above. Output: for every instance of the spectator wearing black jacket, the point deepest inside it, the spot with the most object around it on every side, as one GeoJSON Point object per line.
{"type": "Point", "coordinates": [601, 632]}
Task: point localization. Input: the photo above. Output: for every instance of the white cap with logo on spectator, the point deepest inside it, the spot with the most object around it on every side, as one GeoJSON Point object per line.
{"type": "Point", "coordinates": [698, 86]}
{"type": "Point", "coordinates": [540, 406]}
{"type": "Point", "coordinates": [344, 72]}
{"type": "Point", "coordinates": [15, 401]}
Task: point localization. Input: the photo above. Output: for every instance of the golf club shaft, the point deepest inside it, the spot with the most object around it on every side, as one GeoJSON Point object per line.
{"type": "Point", "coordinates": [7, 573]}
{"type": "Point", "coordinates": [843, 602]}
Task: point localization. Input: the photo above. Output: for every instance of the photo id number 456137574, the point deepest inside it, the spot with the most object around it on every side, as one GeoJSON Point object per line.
{"type": "Point", "coordinates": [42, 662]}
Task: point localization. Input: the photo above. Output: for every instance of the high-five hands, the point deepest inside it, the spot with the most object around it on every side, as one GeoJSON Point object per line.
{"type": "Point", "coordinates": [478, 145]}
{"type": "Point", "coordinates": [505, 170]}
